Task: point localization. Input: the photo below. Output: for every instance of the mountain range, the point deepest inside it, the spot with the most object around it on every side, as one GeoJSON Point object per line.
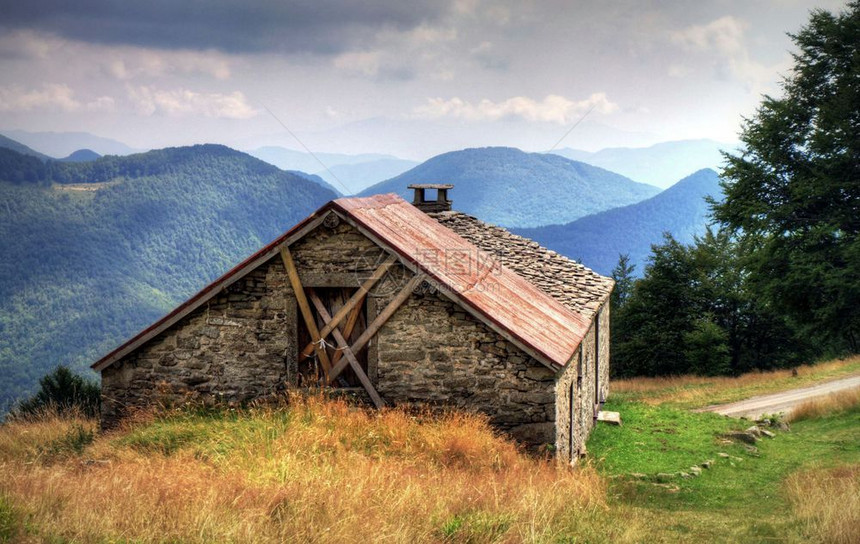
{"type": "Point", "coordinates": [661, 164]}
{"type": "Point", "coordinates": [92, 252]}
{"type": "Point", "coordinates": [349, 173]}
{"type": "Point", "coordinates": [598, 240]}
{"type": "Point", "coordinates": [63, 144]}
{"type": "Point", "coordinates": [509, 187]}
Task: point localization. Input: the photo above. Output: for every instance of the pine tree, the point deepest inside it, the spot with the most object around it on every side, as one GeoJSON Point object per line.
{"type": "Point", "coordinates": [793, 192]}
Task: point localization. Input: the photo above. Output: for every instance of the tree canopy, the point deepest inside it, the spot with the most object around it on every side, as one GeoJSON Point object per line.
{"type": "Point", "coordinates": [793, 192]}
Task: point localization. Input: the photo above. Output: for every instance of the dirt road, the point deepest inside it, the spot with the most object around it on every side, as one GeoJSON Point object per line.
{"type": "Point", "coordinates": [784, 402]}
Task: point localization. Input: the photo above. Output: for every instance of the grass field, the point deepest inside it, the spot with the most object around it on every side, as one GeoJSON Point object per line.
{"type": "Point", "coordinates": [322, 471]}
{"type": "Point", "coordinates": [699, 391]}
{"type": "Point", "coordinates": [800, 486]}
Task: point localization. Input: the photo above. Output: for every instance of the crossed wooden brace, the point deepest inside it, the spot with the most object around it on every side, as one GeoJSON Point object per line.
{"type": "Point", "coordinates": [351, 310]}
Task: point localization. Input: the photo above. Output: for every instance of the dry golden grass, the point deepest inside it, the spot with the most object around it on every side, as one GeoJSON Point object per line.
{"type": "Point", "coordinates": [698, 391]}
{"type": "Point", "coordinates": [828, 503]}
{"type": "Point", "coordinates": [44, 437]}
{"type": "Point", "coordinates": [834, 403]}
{"type": "Point", "coordinates": [318, 471]}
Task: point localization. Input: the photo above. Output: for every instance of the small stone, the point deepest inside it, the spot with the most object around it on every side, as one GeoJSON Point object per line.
{"type": "Point", "coordinates": [754, 430]}
{"type": "Point", "coordinates": [613, 418]}
{"type": "Point", "coordinates": [708, 463]}
{"type": "Point", "coordinates": [723, 455]}
{"type": "Point", "coordinates": [742, 436]}
{"type": "Point", "coordinates": [695, 471]}
{"type": "Point", "coordinates": [767, 433]}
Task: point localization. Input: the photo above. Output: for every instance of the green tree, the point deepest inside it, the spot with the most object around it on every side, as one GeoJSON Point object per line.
{"type": "Point", "coordinates": [661, 309]}
{"type": "Point", "coordinates": [623, 274]}
{"type": "Point", "coordinates": [64, 391]}
{"type": "Point", "coordinates": [793, 192]}
{"type": "Point", "coordinates": [694, 312]}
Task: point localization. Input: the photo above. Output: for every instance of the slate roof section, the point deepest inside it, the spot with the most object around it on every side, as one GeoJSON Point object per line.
{"type": "Point", "coordinates": [571, 283]}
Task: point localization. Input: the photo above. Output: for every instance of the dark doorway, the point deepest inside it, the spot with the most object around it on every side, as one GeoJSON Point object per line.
{"type": "Point", "coordinates": [310, 369]}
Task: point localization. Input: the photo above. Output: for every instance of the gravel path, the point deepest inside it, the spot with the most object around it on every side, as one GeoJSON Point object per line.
{"type": "Point", "coordinates": [784, 402]}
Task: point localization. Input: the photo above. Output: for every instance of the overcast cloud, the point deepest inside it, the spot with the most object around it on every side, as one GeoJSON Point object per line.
{"type": "Point", "coordinates": [409, 78]}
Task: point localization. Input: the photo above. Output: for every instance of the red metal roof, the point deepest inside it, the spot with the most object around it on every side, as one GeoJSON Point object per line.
{"type": "Point", "coordinates": [502, 298]}
{"type": "Point", "coordinates": [471, 275]}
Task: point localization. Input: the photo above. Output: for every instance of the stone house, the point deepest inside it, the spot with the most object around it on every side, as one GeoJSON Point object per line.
{"type": "Point", "coordinates": [403, 303]}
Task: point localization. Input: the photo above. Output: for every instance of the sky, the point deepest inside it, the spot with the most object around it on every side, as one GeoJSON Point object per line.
{"type": "Point", "coordinates": [412, 79]}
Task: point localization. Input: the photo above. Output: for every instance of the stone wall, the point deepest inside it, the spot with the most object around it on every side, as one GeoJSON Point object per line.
{"type": "Point", "coordinates": [232, 349]}
{"type": "Point", "coordinates": [432, 352]}
{"type": "Point", "coordinates": [577, 394]}
{"type": "Point", "coordinates": [605, 356]}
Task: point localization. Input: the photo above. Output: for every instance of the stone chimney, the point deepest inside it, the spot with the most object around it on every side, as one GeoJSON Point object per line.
{"type": "Point", "coordinates": [441, 204]}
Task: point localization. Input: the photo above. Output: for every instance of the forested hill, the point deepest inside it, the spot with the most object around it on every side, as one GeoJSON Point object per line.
{"type": "Point", "coordinates": [597, 240]}
{"type": "Point", "coordinates": [93, 252]}
{"type": "Point", "coordinates": [512, 188]}
{"type": "Point", "coordinates": [9, 143]}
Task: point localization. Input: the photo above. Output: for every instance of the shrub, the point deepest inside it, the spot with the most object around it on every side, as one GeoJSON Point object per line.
{"type": "Point", "coordinates": [65, 392]}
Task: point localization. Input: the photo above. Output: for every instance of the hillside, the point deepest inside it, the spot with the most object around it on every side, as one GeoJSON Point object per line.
{"type": "Point", "coordinates": [660, 164]}
{"type": "Point", "coordinates": [512, 188]}
{"type": "Point", "coordinates": [9, 143]}
{"type": "Point", "coordinates": [598, 239]}
{"type": "Point", "coordinates": [81, 155]}
{"type": "Point", "coordinates": [89, 261]}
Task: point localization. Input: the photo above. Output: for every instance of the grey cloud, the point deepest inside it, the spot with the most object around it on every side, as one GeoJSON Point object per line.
{"type": "Point", "coordinates": [319, 26]}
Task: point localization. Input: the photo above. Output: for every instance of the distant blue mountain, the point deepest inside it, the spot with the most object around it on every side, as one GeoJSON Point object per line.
{"type": "Point", "coordinates": [348, 173]}
{"type": "Point", "coordinates": [359, 176]}
{"type": "Point", "coordinates": [660, 164]}
{"type": "Point", "coordinates": [509, 187]}
{"type": "Point", "coordinates": [597, 240]}
{"type": "Point", "coordinates": [62, 144]}
{"type": "Point", "coordinates": [316, 179]}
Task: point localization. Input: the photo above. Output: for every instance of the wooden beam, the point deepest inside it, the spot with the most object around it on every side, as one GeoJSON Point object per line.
{"type": "Point", "coordinates": [347, 352]}
{"type": "Point", "coordinates": [307, 314]}
{"type": "Point", "coordinates": [347, 330]}
{"type": "Point", "coordinates": [380, 320]}
{"type": "Point", "coordinates": [356, 299]}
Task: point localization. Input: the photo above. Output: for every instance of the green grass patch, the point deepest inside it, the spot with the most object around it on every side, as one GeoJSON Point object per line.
{"type": "Point", "coordinates": [210, 434]}
{"type": "Point", "coordinates": [70, 444]}
{"type": "Point", "coordinates": [655, 439]}
{"type": "Point", "coordinates": [741, 498]}
{"type": "Point", "coordinates": [9, 522]}
{"type": "Point", "coordinates": [476, 527]}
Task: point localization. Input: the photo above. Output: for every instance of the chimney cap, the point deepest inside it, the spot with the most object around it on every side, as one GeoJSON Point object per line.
{"type": "Point", "coordinates": [440, 204]}
{"type": "Point", "coordinates": [430, 186]}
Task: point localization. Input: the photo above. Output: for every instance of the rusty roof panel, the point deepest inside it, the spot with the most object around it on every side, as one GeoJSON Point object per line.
{"type": "Point", "coordinates": [472, 275]}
